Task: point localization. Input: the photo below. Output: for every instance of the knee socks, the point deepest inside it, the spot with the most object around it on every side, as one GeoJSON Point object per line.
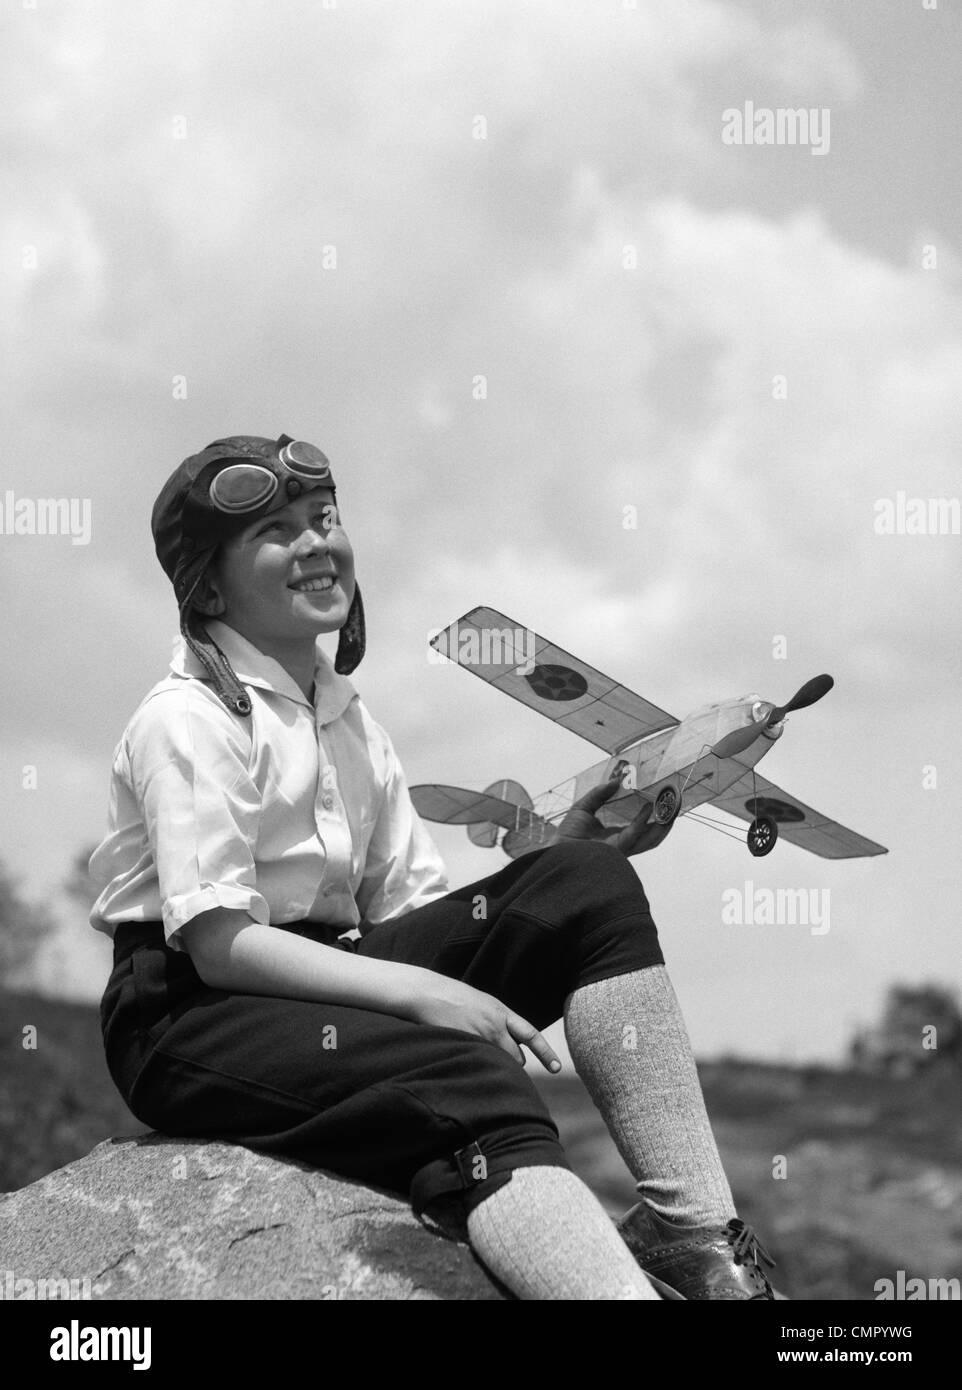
{"type": "Point", "coordinates": [545, 1235]}
{"type": "Point", "coordinates": [630, 1047]}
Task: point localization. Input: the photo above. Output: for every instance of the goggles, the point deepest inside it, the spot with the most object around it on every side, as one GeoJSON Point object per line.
{"type": "Point", "coordinates": [244, 487]}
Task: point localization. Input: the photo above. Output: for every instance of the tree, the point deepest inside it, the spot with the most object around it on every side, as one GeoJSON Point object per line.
{"type": "Point", "coordinates": [919, 1023]}
{"type": "Point", "coordinates": [922, 1017]}
{"type": "Point", "coordinates": [23, 927]}
{"type": "Point", "coordinates": [78, 884]}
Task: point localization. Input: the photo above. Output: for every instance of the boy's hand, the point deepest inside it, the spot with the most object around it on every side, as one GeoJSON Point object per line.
{"type": "Point", "coordinates": [581, 823]}
{"type": "Point", "coordinates": [451, 1003]}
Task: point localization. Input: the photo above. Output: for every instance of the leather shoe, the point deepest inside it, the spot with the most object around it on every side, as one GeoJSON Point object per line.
{"type": "Point", "coordinates": [698, 1262]}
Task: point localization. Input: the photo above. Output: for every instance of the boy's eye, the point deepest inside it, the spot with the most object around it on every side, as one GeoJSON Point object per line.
{"type": "Point", "coordinates": [324, 520]}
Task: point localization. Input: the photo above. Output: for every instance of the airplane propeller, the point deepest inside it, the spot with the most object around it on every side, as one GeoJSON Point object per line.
{"type": "Point", "coordinates": [740, 739]}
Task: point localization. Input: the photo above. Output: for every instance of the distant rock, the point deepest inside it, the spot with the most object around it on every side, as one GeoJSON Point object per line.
{"type": "Point", "coordinates": [153, 1217]}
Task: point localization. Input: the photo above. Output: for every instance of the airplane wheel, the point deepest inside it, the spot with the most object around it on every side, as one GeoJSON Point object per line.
{"type": "Point", "coordinates": [666, 805]}
{"type": "Point", "coordinates": [762, 834]}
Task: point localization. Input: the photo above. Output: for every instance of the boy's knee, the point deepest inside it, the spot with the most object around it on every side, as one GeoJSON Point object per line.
{"type": "Point", "coordinates": [603, 885]}
{"type": "Point", "coordinates": [578, 850]}
{"type": "Point", "coordinates": [446, 1191]}
{"type": "Point", "coordinates": [598, 857]}
{"type": "Point", "coordinates": [597, 905]}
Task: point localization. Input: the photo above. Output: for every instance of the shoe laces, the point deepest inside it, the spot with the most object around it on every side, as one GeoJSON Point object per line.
{"type": "Point", "coordinates": [746, 1245]}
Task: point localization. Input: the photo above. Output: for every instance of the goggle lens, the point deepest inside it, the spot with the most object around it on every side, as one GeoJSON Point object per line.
{"type": "Point", "coordinates": [242, 487]}
{"type": "Point", "coordinates": [305, 460]}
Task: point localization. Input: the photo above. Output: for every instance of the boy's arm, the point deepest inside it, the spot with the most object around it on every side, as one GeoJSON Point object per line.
{"type": "Point", "coordinates": [231, 952]}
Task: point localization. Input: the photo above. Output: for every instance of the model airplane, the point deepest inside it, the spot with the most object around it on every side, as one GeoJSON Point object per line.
{"type": "Point", "coordinates": [677, 765]}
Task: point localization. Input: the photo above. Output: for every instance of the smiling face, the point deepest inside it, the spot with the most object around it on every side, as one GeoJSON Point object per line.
{"type": "Point", "coordinates": [286, 578]}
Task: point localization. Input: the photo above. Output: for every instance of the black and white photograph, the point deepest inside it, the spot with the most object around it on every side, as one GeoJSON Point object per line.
{"type": "Point", "coordinates": [480, 542]}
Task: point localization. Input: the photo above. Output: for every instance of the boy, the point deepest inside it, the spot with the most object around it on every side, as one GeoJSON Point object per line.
{"type": "Point", "coordinates": [270, 888]}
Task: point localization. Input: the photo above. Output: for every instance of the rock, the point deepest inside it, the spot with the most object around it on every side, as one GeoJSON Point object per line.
{"type": "Point", "coordinates": [152, 1217]}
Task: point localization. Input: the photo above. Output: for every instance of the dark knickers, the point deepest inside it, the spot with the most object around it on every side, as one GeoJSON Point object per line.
{"type": "Point", "coordinates": [437, 1113]}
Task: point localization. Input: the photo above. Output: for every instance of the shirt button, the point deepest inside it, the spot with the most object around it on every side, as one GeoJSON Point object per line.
{"type": "Point", "coordinates": [327, 802]}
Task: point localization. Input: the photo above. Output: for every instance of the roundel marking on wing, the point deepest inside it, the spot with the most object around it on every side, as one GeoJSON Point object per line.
{"type": "Point", "coordinates": [557, 683]}
{"type": "Point", "coordinates": [771, 806]}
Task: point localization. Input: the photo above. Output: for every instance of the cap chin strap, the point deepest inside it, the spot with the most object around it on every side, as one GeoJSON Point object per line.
{"type": "Point", "coordinates": [226, 685]}
{"type": "Point", "coordinates": [353, 639]}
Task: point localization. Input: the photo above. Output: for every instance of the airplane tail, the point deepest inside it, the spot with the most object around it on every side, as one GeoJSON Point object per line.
{"type": "Point", "coordinates": [485, 833]}
{"type": "Point", "coordinates": [504, 806]}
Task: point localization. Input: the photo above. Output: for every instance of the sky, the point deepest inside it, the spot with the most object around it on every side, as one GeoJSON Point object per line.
{"type": "Point", "coordinates": [572, 356]}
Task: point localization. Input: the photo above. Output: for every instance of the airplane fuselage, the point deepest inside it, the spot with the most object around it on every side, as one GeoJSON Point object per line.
{"type": "Point", "coordinates": [676, 758]}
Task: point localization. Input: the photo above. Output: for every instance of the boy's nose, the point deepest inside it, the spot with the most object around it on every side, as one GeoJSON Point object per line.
{"type": "Point", "coordinates": [313, 538]}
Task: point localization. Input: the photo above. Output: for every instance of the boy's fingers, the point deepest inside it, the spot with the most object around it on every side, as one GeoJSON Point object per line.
{"type": "Point", "coordinates": [597, 796]}
{"type": "Point", "coordinates": [635, 832]}
{"type": "Point", "coordinates": [524, 1032]}
{"type": "Point", "coordinates": [642, 837]}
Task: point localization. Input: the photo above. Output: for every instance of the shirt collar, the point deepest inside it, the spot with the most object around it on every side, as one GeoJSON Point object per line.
{"type": "Point", "coordinates": [332, 691]}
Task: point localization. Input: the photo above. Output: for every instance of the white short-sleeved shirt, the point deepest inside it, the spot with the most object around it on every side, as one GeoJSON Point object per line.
{"type": "Point", "coordinates": [296, 812]}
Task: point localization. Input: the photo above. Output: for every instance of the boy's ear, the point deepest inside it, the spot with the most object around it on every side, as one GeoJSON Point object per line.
{"type": "Point", "coordinates": [206, 599]}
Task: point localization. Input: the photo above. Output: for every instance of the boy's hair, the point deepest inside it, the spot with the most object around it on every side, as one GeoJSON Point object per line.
{"type": "Point", "coordinates": [188, 528]}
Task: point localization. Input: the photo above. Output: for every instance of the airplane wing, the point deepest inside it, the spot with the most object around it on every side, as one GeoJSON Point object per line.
{"type": "Point", "coordinates": [550, 680]}
{"type": "Point", "coordinates": [753, 796]}
{"type": "Point", "coordinates": [459, 806]}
